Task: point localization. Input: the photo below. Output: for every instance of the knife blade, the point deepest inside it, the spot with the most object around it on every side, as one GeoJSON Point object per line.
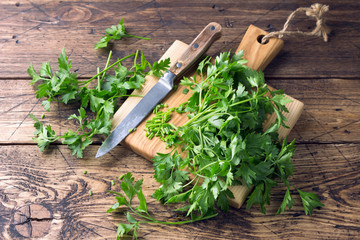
{"type": "Point", "coordinates": [159, 91]}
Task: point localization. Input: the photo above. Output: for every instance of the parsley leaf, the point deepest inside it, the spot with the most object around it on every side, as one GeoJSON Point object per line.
{"type": "Point", "coordinates": [44, 135]}
{"type": "Point", "coordinates": [115, 32]}
{"type": "Point", "coordinates": [287, 202]}
{"type": "Point", "coordinates": [35, 77]}
{"type": "Point", "coordinates": [157, 67]}
{"type": "Point", "coordinates": [53, 85]}
{"type": "Point", "coordinates": [310, 201]}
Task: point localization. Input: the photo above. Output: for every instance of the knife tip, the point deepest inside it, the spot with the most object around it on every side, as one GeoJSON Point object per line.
{"type": "Point", "coordinates": [100, 153]}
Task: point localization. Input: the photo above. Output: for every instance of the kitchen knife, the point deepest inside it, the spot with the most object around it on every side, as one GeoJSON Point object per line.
{"type": "Point", "coordinates": [159, 91]}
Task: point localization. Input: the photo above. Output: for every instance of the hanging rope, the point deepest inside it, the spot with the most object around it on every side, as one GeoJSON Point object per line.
{"type": "Point", "coordinates": [317, 11]}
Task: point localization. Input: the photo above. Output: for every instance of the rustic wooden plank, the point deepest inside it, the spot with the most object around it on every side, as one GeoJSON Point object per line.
{"type": "Point", "coordinates": [55, 180]}
{"type": "Point", "coordinates": [45, 27]}
{"type": "Point", "coordinates": [331, 113]}
{"type": "Point", "coordinates": [323, 76]}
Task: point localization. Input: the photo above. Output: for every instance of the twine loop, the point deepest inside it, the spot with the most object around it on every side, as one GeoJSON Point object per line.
{"type": "Point", "coordinates": [317, 11]}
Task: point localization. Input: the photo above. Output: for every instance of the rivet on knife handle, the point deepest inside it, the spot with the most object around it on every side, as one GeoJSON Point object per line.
{"type": "Point", "coordinates": [161, 88]}
{"type": "Point", "coordinates": [197, 48]}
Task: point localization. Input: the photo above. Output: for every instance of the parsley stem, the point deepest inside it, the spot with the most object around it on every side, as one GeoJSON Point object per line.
{"type": "Point", "coordinates": [206, 166]}
{"type": "Point", "coordinates": [173, 126]}
{"type": "Point", "coordinates": [128, 95]}
{"type": "Point", "coordinates": [107, 64]}
{"type": "Point", "coordinates": [135, 58]}
{"type": "Point", "coordinates": [134, 36]}
{"type": "Point", "coordinates": [201, 105]}
{"type": "Point", "coordinates": [189, 182]}
{"type": "Point", "coordinates": [148, 217]}
{"type": "Point", "coordinates": [180, 222]}
{"type": "Point", "coordinates": [197, 116]}
{"type": "Point", "coordinates": [106, 69]}
{"type": "Point", "coordinates": [243, 101]}
{"type": "Point", "coordinates": [99, 80]}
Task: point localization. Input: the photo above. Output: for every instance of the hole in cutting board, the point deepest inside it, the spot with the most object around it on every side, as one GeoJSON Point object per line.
{"type": "Point", "coordinates": [259, 39]}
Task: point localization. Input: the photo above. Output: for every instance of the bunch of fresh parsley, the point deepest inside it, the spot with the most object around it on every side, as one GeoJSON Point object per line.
{"type": "Point", "coordinates": [225, 143]}
{"type": "Point", "coordinates": [100, 100]}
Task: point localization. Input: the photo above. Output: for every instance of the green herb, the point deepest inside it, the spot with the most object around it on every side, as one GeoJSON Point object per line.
{"type": "Point", "coordinates": [160, 127]}
{"type": "Point", "coordinates": [112, 183]}
{"type": "Point", "coordinates": [64, 86]}
{"type": "Point", "coordinates": [132, 130]}
{"type": "Point", "coordinates": [90, 193]}
{"type": "Point", "coordinates": [224, 142]}
{"type": "Point", "coordinates": [115, 32]}
{"type": "Point", "coordinates": [44, 135]}
{"type": "Point", "coordinates": [132, 189]}
{"type": "Point", "coordinates": [159, 106]}
{"type": "Point", "coordinates": [310, 201]}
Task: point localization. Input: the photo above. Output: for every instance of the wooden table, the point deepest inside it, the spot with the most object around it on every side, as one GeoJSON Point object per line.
{"type": "Point", "coordinates": [46, 194]}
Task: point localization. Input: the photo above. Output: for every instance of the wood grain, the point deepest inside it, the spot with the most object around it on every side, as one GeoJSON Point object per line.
{"type": "Point", "coordinates": [46, 26]}
{"type": "Point", "coordinates": [324, 76]}
{"type": "Point", "coordinates": [259, 55]}
{"type": "Point", "coordinates": [56, 181]}
{"type": "Point", "coordinates": [331, 113]}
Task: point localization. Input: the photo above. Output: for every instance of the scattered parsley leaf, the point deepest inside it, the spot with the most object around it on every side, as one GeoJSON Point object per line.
{"type": "Point", "coordinates": [44, 135]}
{"type": "Point", "coordinates": [287, 202]}
{"type": "Point", "coordinates": [115, 32]}
{"type": "Point", "coordinates": [35, 77]}
{"type": "Point", "coordinates": [124, 229]}
{"type": "Point", "coordinates": [158, 67]}
{"type": "Point", "coordinates": [310, 201]}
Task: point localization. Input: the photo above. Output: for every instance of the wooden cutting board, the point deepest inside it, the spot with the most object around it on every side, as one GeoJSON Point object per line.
{"type": "Point", "coordinates": [258, 56]}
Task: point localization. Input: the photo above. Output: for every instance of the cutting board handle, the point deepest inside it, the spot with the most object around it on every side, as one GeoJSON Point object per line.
{"type": "Point", "coordinates": [259, 55]}
{"type": "Point", "coordinates": [197, 48]}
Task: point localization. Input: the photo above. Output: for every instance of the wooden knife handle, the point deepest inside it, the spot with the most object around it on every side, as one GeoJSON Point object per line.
{"type": "Point", "coordinates": [200, 44]}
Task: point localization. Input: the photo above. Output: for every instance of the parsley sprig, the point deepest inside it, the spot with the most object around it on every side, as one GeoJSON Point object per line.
{"type": "Point", "coordinates": [115, 32]}
{"type": "Point", "coordinates": [98, 94]}
{"type": "Point", "coordinates": [132, 189]}
{"type": "Point", "coordinates": [224, 142]}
